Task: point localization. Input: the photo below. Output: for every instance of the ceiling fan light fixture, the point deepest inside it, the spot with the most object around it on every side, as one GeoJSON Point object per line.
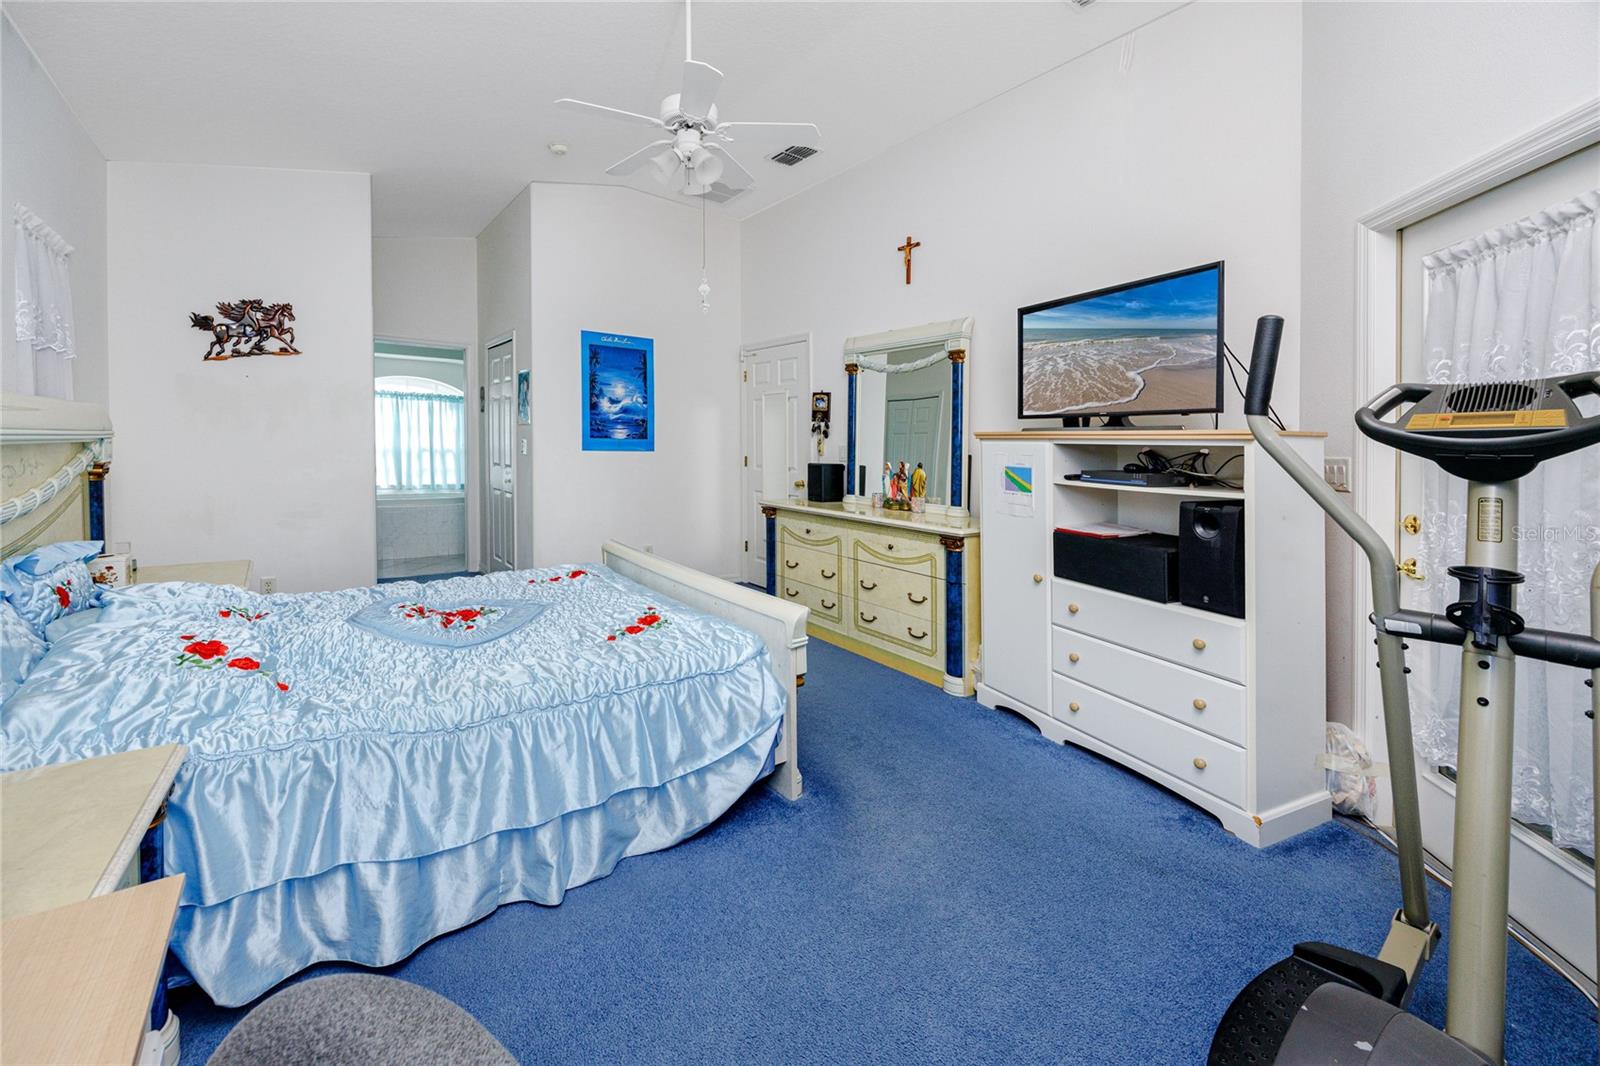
{"type": "Point", "coordinates": [665, 166]}
{"type": "Point", "coordinates": [706, 165]}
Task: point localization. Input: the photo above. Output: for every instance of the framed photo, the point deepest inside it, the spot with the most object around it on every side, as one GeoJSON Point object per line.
{"type": "Point", "coordinates": [523, 417]}
{"type": "Point", "coordinates": [618, 393]}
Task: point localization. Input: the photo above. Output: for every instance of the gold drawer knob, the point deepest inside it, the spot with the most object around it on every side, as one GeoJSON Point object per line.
{"type": "Point", "coordinates": [1073, 707]}
{"type": "Point", "coordinates": [1038, 578]}
{"type": "Point", "coordinates": [1199, 764]}
{"type": "Point", "coordinates": [1199, 645]}
{"type": "Point", "coordinates": [1072, 608]}
{"type": "Point", "coordinates": [1199, 705]}
{"type": "Point", "coordinates": [1072, 657]}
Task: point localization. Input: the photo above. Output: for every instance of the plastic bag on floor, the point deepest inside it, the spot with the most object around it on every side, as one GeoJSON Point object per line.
{"type": "Point", "coordinates": [1352, 776]}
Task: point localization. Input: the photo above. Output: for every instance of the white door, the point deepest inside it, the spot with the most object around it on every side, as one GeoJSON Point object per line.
{"type": "Point", "coordinates": [500, 472]}
{"type": "Point", "coordinates": [1551, 891]}
{"type": "Point", "coordinates": [776, 384]}
{"type": "Point", "coordinates": [911, 433]}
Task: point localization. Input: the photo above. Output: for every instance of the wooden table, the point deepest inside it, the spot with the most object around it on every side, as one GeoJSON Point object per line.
{"type": "Point", "coordinates": [78, 979]}
{"type": "Point", "coordinates": [226, 572]}
{"type": "Point", "coordinates": [72, 830]}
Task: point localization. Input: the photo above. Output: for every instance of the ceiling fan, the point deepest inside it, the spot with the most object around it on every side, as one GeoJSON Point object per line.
{"type": "Point", "coordinates": [693, 155]}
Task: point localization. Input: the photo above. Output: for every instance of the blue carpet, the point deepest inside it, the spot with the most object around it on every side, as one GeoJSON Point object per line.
{"type": "Point", "coordinates": [952, 888]}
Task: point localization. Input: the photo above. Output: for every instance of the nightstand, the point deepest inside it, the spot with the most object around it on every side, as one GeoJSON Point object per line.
{"type": "Point", "coordinates": [229, 572]}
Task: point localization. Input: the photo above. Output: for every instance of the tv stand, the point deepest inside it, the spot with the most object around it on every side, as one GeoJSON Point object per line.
{"type": "Point", "coordinates": [1112, 422]}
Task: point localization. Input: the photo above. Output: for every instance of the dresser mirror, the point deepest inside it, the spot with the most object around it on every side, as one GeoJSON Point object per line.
{"type": "Point", "coordinates": [906, 404]}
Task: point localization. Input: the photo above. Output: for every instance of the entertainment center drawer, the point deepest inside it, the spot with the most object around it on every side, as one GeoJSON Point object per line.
{"type": "Point", "coordinates": [1196, 639]}
{"type": "Point", "coordinates": [1187, 754]}
{"type": "Point", "coordinates": [1207, 703]}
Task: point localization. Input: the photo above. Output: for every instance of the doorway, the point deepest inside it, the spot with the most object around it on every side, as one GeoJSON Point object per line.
{"type": "Point", "coordinates": [776, 377]}
{"type": "Point", "coordinates": [500, 472]}
{"type": "Point", "coordinates": [420, 420]}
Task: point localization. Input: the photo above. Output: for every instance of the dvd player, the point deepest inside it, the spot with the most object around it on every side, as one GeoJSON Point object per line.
{"type": "Point", "coordinates": [1146, 479]}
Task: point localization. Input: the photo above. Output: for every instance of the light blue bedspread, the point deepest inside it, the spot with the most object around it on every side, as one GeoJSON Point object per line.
{"type": "Point", "coordinates": [370, 768]}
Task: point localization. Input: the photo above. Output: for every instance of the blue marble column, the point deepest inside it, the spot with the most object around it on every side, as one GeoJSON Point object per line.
{"type": "Point", "coordinates": [958, 360]}
{"type": "Point", "coordinates": [850, 487]}
{"type": "Point", "coordinates": [771, 516]}
{"type": "Point", "coordinates": [955, 659]}
{"type": "Point", "coordinates": [97, 502]}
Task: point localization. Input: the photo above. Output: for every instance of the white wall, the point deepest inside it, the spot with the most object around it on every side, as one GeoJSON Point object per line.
{"type": "Point", "coordinates": [263, 458]}
{"type": "Point", "coordinates": [52, 167]}
{"type": "Point", "coordinates": [448, 371]}
{"type": "Point", "coordinates": [1394, 96]}
{"type": "Point", "coordinates": [505, 307]}
{"type": "Point", "coordinates": [1085, 177]}
{"type": "Point", "coordinates": [620, 261]}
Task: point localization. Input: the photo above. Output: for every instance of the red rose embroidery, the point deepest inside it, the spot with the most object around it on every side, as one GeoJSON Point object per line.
{"type": "Point", "coordinates": [244, 662]}
{"type": "Point", "coordinates": [577, 574]}
{"type": "Point", "coordinates": [63, 596]}
{"type": "Point", "coordinates": [631, 630]}
{"type": "Point", "coordinates": [466, 614]}
{"type": "Point", "coordinates": [612, 637]}
{"type": "Point", "coordinates": [207, 649]}
{"type": "Point", "coordinates": [282, 687]}
{"type": "Point", "coordinates": [185, 636]}
{"type": "Point", "coordinates": [649, 619]}
{"type": "Point", "coordinates": [224, 614]}
{"type": "Point", "coordinates": [556, 578]}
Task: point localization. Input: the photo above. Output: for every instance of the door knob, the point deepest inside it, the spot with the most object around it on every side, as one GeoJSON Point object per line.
{"type": "Point", "coordinates": [1411, 524]}
{"type": "Point", "coordinates": [1409, 568]}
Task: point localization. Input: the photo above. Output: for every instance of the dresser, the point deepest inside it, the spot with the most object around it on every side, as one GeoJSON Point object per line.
{"type": "Point", "coordinates": [898, 588]}
{"type": "Point", "coordinates": [1229, 713]}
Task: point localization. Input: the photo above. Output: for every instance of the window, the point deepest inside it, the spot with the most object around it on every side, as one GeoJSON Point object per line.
{"type": "Point", "coordinates": [421, 436]}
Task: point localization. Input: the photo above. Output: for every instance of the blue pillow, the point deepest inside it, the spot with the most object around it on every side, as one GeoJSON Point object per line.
{"type": "Point", "coordinates": [20, 649]}
{"type": "Point", "coordinates": [50, 582]}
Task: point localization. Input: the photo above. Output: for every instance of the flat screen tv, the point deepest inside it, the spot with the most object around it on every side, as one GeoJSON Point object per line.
{"type": "Point", "coordinates": [1142, 348]}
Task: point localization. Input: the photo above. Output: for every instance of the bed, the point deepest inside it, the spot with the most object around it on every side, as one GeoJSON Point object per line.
{"type": "Point", "coordinates": [372, 767]}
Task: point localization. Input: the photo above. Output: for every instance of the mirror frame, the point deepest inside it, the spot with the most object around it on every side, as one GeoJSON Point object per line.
{"type": "Point", "coordinates": [871, 352]}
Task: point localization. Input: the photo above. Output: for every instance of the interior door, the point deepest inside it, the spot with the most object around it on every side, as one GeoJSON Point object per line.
{"type": "Point", "coordinates": [776, 384]}
{"type": "Point", "coordinates": [911, 433]}
{"type": "Point", "coordinates": [500, 473]}
{"type": "Point", "coordinates": [1551, 892]}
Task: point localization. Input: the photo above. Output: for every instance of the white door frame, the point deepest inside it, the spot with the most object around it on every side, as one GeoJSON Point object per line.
{"type": "Point", "coordinates": [1377, 366]}
{"type": "Point", "coordinates": [746, 524]}
{"type": "Point", "coordinates": [483, 447]}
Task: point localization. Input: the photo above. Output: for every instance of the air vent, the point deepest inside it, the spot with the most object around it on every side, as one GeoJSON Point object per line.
{"type": "Point", "coordinates": [721, 194]}
{"type": "Point", "coordinates": [794, 154]}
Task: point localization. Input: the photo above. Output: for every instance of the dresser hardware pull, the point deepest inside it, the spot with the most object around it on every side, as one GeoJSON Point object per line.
{"type": "Point", "coordinates": [790, 564]}
{"type": "Point", "coordinates": [916, 601]}
{"type": "Point", "coordinates": [867, 620]}
{"type": "Point", "coordinates": [827, 576]}
{"type": "Point", "coordinates": [1199, 645]}
{"type": "Point", "coordinates": [1073, 707]}
{"type": "Point", "coordinates": [1072, 608]}
{"type": "Point", "coordinates": [1038, 579]}
{"type": "Point", "coordinates": [808, 529]}
{"type": "Point", "coordinates": [1199, 764]}
{"type": "Point", "coordinates": [916, 636]}
{"type": "Point", "coordinates": [791, 592]}
{"type": "Point", "coordinates": [891, 547]}
{"type": "Point", "coordinates": [866, 586]}
{"type": "Point", "coordinates": [1199, 705]}
{"type": "Point", "coordinates": [1072, 657]}
{"type": "Point", "coordinates": [826, 606]}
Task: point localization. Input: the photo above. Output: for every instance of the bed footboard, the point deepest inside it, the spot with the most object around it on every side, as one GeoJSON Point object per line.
{"type": "Point", "coordinates": [781, 626]}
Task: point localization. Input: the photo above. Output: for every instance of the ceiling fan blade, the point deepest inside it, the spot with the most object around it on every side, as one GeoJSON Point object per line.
{"type": "Point", "coordinates": [700, 84]}
{"type": "Point", "coordinates": [771, 132]}
{"type": "Point", "coordinates": [734, 176]}
{"type": "Point", "coordinates": [637, 159]}
{"type": "Point", "coordinates": [584, 107]}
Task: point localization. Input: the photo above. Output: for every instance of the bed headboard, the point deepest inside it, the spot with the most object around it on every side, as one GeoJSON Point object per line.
{"type": "Point", "coordinates": [54, 456]}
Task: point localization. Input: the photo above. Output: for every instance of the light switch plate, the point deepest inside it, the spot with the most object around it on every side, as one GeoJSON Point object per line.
{"type": "Point", "coordinates": [1336, 472]}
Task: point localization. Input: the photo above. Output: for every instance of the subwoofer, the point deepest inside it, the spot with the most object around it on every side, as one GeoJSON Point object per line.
{"type": "Point", "coordinates": [825, 482]}
{"type": "Point", "coordinates": [1211, 556]}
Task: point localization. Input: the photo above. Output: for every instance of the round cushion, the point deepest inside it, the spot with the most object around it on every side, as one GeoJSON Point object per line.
{"type": "Point", "coordinates": [354, 1018]}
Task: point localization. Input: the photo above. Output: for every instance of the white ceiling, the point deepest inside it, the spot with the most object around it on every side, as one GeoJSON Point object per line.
{"type": "Point", "coordinates": [449, 105]}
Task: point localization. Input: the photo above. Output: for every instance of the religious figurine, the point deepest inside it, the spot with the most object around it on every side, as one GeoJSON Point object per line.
{"type": "Point", "coordinates": [883, 483]}
{"type": "Point", "coordinates": [919, 483]}
{"type": "Point", "coordinates": [900, 479]}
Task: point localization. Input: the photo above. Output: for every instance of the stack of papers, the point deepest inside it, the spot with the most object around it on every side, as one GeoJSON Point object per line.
{"type": "Point", "coordinates": [1104, 530]}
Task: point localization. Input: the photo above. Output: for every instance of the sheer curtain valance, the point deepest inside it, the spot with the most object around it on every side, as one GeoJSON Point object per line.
{"type": "Point", "coordinates": [1521, 301]}
{"type": "Point", "coordinates": [44, 331]}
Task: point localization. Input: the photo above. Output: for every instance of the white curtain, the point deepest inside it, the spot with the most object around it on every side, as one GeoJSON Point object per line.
{"type": "Point", "coordinates": [45, 339]}
{"type": "Point", "coordinates": [1522, 301]}
{"type": "Point", "coordinates": [421, 438]}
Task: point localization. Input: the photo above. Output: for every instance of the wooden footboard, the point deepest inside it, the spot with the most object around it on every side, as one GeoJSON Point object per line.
{"type": "Point", "coordinates": [781, 626]}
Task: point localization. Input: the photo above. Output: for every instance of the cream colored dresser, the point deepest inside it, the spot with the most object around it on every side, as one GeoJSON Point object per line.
{"type": "Point", "coordinates": [899, 588]}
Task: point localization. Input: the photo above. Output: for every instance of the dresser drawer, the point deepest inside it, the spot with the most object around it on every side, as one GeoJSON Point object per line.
{"type": "Point", "coordinates": [1207, 703]}
{"type": "Point", "coordinates": [910, 592]}
{"type": "Point", "coordinates": [1196, 639]}
{"type": "Point", "coordinates": [815, 533]}
{"type": "Point", "coordinates": [822, 569]}
{"type": "Point", "coordinates": [826, 605]}
{"type": "Point", "coordinates": [920, 553]}
{"type": "Point", "coordinates": [905, 634]}
{"type": "Point", "coordinates": [1187, 754]}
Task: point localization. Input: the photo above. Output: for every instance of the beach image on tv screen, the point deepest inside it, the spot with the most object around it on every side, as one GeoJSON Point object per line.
{"type": "Point", "coordinates": [1151, 347]}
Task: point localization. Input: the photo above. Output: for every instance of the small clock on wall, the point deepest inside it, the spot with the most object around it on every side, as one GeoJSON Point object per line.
{"type": "Point", "coordinates": [821, 406]}
{"type": "Point", "coordinates": [820, 401]}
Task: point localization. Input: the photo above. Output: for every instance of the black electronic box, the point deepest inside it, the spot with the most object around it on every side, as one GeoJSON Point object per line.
{"type": "Point", "coordinates": [825, 482]}
{"type": "Point", "coordinates": [1145, 565]}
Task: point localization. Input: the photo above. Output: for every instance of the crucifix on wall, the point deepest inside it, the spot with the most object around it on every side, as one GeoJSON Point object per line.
{"type": "Point", "coordinates": [905, 249]}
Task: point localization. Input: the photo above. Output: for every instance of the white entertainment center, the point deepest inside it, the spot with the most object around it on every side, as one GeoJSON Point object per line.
{"type": "Point", "coordinates": [1227, 712]}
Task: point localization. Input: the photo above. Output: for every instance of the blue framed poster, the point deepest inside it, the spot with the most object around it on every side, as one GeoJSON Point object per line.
{"type": "Point", "coordinates": [619, 413]}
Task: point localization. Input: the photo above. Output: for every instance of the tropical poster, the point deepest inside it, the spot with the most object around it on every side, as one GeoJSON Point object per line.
{"type": "Point", "coordinates": [618, 393]}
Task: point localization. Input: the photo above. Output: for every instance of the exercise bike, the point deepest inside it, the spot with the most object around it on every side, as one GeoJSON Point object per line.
{"type": "Point", "coordinates": [1325, 1004]}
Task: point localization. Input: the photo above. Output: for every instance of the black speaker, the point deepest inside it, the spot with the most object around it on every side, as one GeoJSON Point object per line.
{"type": "Point", "coordinates": [1145, 566]}
{"type": "Point", "coordinates": [1211, 556]}
{"type": "Point", "coordinates": [825, 482]}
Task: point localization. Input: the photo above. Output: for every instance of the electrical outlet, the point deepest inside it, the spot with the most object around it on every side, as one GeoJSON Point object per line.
{"type": "Point", "coordinates": [269, 585]}
{"type": "Point", "coordinates": [1336, 472]}
{"type": "Point", "coordinates": [649, 549]}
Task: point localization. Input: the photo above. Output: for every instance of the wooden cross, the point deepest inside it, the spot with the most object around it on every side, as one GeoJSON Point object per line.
{"type": "Point", "coordinates": [906, 250]}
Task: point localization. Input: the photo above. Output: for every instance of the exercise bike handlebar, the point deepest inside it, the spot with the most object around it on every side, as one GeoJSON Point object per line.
{"type": "Point", "coordinates": [1385, 600]}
